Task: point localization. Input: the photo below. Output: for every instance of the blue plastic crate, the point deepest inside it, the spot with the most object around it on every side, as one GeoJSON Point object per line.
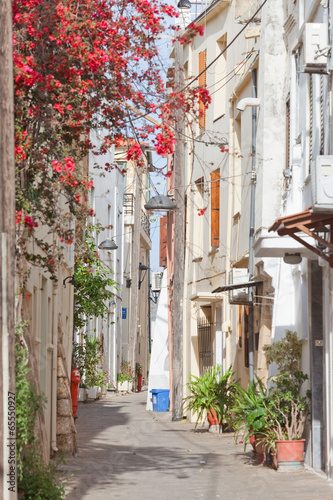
{"type": "Point", "coordinates": [160, 399]}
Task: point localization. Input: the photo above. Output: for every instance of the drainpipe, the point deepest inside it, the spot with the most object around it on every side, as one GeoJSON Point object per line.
{"type": "Point", "coordinates": [251, 234]}
{"type": "Point", "coordinates": [253, 102]}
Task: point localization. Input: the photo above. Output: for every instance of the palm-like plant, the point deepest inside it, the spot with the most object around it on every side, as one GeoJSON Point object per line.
{"type": "Point", "coordinates": [211, 392]}
{"type": "Point", "coordinates": [249, 412]}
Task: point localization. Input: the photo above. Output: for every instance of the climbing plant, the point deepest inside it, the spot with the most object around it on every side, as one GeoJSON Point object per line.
{"type": "Point", "coordinates": [94, 285]}
{"type": "Point", "coordinates": [36, 480]}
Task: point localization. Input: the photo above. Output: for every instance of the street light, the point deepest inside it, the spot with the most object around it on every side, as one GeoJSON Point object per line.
{"type": "Point", "coordinates": [160, 203]}
{"type": "Point", "coordinates": [108, 245]}
{"type": "Point", "coordinates": [142, 273]}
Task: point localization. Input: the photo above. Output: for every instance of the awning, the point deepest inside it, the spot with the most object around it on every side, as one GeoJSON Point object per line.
{"type": "Point", "coordinates": [306, 222]}
{"type": "Point", "coordinates": [234, 286]}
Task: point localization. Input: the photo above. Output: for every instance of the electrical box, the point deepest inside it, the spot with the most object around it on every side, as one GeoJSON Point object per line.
{"type": "Point", "coordinates": [322, 184]}
{"type": "Point", "coordinates": [239, 295]}
{"type": "Point", "coordinates": [315, 39]}
{"type": "Point", "coordinates": [156, 281]}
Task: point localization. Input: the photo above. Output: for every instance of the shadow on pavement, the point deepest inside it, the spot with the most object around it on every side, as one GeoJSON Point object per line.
{"type": "Point", "coordinates": [104, 466]}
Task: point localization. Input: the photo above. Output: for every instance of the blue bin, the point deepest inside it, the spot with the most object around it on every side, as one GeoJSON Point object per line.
{"type": "Point", "coordinates": [160, 399]}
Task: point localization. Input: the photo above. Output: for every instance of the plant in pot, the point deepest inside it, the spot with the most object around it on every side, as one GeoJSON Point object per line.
{"type": "Point", "coordinates": [125, 377]}
{"type": "Point", "coordinates": [250, 417]}
{"type": "Point", "coordinates": [139, 373]}
{"type": "Point", "coordinates": [288, 404]}
{"type": "Point", "coordinates": [88, 359]}
{"type": "Point", "coordinates": [211, 395]}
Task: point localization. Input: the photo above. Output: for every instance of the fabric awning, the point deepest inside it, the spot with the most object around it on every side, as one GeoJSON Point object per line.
{"type": "Point", "coordinates": [306, 222]}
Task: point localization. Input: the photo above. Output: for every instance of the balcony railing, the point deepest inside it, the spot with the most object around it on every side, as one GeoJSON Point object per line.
{"type": "Point", "coordinates": [128, 203]}
{"type": "Point", "coordinates": [145, 222]}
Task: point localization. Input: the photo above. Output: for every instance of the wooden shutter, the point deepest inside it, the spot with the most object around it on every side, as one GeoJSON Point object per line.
{"type": "Point", "coordinates": [202, 83]}
{"type": "Point", "coordinates": [310, 121]}
{"type": "Point", "coordinates": [239, 326]}
{"type": "Point", "coordinates": [163, 240]}
{"type": "Point", "coordinates": [246, 337]}
{"type": "Point", "coordinates": [215, 209]}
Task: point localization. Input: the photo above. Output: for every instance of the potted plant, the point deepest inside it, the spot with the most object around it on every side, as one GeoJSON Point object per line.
{"type": "Point", "coordinates": [211, 395]}
{"type": "Point", "coordinates": [88, 359]}
{"type": "Point", "coordinates": [250, 417]}
{"type": "Point", "coordinates": [82, 395]}
{"type": "Point", "coordinates": [125, 377]}
{"type": "Point", "coordinates": [139, 372]}
{"type": "Point", "coordinates": [287, 404]}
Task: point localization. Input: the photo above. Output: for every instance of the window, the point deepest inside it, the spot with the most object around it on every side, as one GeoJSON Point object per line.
{"type": "Point", "coordinates": [205, 344]}
{"type": "Point", "coordinates": [215, 209]}
{"type": "Point", "coordinates": [199, 217]}
{"type": "Point", "coordinates": [219, 95]}
{"type": "Point", "coordinates": [202, 84]}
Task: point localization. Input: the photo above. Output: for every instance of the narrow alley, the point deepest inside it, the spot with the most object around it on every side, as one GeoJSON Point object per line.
{"type": "Point", "coordinates": [126, 452]}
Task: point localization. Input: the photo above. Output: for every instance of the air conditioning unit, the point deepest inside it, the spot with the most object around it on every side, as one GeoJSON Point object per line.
{"type": "Point", "coordinates": [156, 281]}
{"type": "Point", "coordinates": [322, 184]}
{"type": "Point", "coordinates": [239, 295]}
{"type": "Point", "coordinates": [315, 48]}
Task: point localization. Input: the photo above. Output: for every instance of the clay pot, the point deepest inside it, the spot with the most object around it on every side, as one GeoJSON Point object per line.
{"type": "Point", "coordinates": [290, 451]}
{"type": "Point", "coordinates": [139, 386]}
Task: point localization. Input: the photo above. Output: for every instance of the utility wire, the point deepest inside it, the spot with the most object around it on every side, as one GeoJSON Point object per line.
{"type": "Point", "coordinates": [217, 57]}
{"type": "Point", "coordinates": [226, 48]}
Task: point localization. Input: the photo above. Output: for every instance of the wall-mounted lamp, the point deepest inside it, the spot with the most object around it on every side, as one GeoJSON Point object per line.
{"type": "Point", "coordinates": [154, 294]}
{"type": "Point", "coordinates": [160, 203]}
{"type": "Point", "coordinates": [292, 258]}
{"type": "Point", "coordinates": [323, 232]}
{"type": "Point", "coordinates": [128, 283]}
{"type": "Point", "coordinates": [108, 245]}
{"type": "Point", "coordinates": [70, 279]}
{"type": "Point", "coordinates": [142, 273]}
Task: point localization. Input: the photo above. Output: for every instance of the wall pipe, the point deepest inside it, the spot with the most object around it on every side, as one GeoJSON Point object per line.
{"type": "Point", "coordinates": [251, 233]}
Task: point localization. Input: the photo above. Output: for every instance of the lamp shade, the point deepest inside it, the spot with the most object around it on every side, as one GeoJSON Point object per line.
{"type": "Point", "coordinates": [108, 245]}
{"type": "Point", "coordinates": [160, 203]}
{"type": "Point", "coordinates": [292, 258]}
{"type": "Point", "coordinates": [184, 4]}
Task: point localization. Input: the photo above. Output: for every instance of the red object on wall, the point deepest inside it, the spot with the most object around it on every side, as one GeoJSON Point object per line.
{"type": "Point", "coordinates": [75, 380]}
{"type": "Point", "coordinates": [139, 387]}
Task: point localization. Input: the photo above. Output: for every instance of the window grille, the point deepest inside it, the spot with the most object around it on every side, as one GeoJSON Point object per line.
{"type": "Point", "coordinates": [205, 345]}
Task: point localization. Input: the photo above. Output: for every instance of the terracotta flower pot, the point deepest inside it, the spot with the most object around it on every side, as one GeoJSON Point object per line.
{"type": "Point", "coordinates": [139, 386]}
{"type": "Point", "coordinates": [290, 454]}
{"type": "Point", "coordinates": [252, 441]}
{"type": "Point", "coordinates": [260, 449]}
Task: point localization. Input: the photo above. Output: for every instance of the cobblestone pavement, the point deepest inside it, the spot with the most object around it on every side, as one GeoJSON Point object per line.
{"type": "Point", "coordinates": [126, 452]}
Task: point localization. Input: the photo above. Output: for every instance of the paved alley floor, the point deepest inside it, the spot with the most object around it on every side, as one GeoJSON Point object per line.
{"type": "Point", "coordinates": [129, 453]}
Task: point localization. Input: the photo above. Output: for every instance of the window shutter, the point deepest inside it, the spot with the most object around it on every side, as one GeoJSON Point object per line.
{"type": "Point", "coordinates": [239, 326]}
{"type": "Point", "coordinates": [322, 128]}
{"type": "Point", "coordinates": [246, 337]}
{"type": "Point", "coordinates": [215, 209]}
{"type": "Point", "coordinates": [310, 121]}
{"type": "Point", "coordinates": [202, 83]}
{"type": "Point", "coordinates": [163, 240]}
